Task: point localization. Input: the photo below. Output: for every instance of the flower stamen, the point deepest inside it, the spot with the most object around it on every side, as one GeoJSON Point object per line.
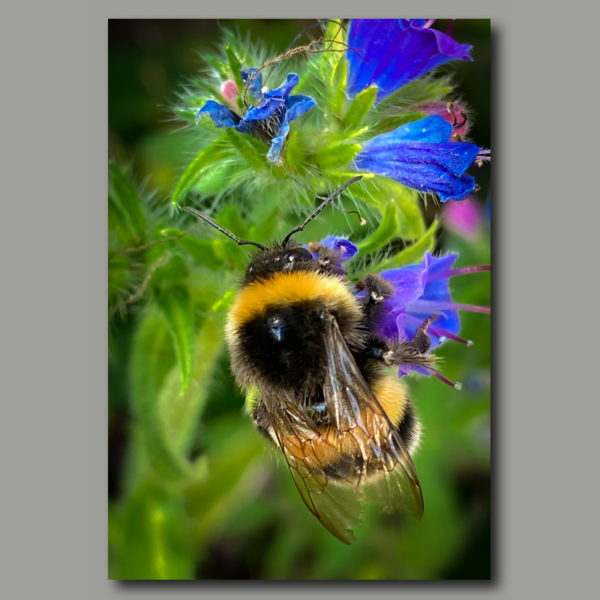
{"type": "Point", "coordinates": [463, 271]}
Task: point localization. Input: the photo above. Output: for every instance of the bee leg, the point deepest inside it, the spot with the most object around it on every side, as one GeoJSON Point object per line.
{"type": "Point", "coordinates": [376, 289]}
{"type": "Point", "coordinates": [413, 352]}
{"type": "Point", "coordinates": [262, 420]}
{"type": "Point", "coordinates": [328, 259]}
{"type": "Point", "coordinates": [402, 352]}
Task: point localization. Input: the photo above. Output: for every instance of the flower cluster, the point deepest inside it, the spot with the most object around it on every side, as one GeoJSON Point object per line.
{"type": "Point", "coordinates": [426, 154]}
{"type": "Point", "coordinates": [421, 296]}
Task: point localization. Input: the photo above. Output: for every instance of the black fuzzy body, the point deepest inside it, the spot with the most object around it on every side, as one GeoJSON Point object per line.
{"type": "Point", "coordinates": [281, 348]}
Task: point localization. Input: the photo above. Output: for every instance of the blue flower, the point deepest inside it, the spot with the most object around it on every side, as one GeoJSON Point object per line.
{"type": "Point", "coordinates": [269, 119]}
{"type": "Point", "coordinates": [422, 156]}
{"type": "Point", "coordinates": [397, 51]}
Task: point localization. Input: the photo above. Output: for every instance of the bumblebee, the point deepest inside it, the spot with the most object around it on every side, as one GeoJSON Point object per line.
{"type": "Point", "coordinates": [299, 335]}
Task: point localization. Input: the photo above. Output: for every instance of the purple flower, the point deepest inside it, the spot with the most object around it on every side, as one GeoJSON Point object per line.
{"type": "Point", "coordinates": [397, 51]}
{"type": "Point", "coordinates": [422, 156]}
{"type": "Point", "coordinates": [420, 293]}
{"type": "Point", "coordinates": [269, 119]}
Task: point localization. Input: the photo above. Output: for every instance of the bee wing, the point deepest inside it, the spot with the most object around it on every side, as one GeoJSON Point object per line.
{"type": "Point", "coordinates": [369, 442]}
{"type": "Point", "coordinates": [337, 508]}
{"type": "Point", "coordinates": [392, 480]}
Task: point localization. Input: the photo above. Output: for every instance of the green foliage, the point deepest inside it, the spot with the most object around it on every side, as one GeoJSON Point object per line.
{"type": "Point", "coordinates": [360, 106]}
{"type": "Point", "coordinates": [215, 152]}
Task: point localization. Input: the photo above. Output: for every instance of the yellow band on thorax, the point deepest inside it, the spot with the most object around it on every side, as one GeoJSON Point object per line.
{"type": "Point", "coordinates": [284, 288]}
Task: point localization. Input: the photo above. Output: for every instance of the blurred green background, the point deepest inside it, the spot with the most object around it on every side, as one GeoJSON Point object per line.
{"type": "Point", "coordinates": [243, 518]}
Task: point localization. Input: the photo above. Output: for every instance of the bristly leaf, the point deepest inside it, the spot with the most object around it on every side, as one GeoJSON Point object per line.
{"type": "Point", "coordinates": [176, 306]}
{"type": "Point", "coordinates": [360, 106]}
{"type": "Point", "coordinates": [182, 411]}
{"type": "Point", "coordinates": [124, 194]}
{"type": "Point", "coordinates": [413, 253]}
{"type": "Point", "coordinates": [235, 67]}
{"type": "Point", "coordinates": [155, 540]}
{"type": "Point", "coordinates": [412, 225]}
{"type": "Point", "coordinates": [418, 91]}
{"type": "Point", "coordinates": [386, 124]}
{"type": "Point", "coordinates": [215, 152]}
{"type": "Point", "coordinates": [202, 251]}
{"type": "Point", "coordinates": [253, 150]}
{"type": "Point", "coordinates": [387, 229]}
{"type": "Point", "coordinates": [340, 76]}
{"type": "Point", "coordinates": [337, 155]}
{"type": "Point", "coordinates": [152, 359]}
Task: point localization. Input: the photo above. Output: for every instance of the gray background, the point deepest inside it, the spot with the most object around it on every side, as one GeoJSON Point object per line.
{"type": "Point", "coordinates": [53, 425]}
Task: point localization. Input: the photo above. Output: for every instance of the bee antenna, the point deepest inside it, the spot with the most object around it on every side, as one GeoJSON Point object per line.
{"type": "Point", "coordinates": [321, 208]}
{"type": "Point", "coordinates": [228, 233]}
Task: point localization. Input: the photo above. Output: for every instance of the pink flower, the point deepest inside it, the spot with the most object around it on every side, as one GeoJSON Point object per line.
{"type": "Point", "coordinates": [464, 218]}
{"type": "Point", "coordinates": [450, 112]}
{"type": "Point", "coordinates": [230, 92]}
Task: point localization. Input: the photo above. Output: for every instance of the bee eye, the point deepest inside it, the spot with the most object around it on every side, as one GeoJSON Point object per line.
{"type": "Point", "coordinates": [299, 255]}
{"type": "Point", "coordinates": [276, 328]}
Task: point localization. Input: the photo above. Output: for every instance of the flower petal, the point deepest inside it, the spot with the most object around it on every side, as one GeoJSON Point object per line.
{"type": "Point", "coordinates": [420, 156]}
{"type": "Point", "coordinates": [344, 247]}
{"type": "Point", "coordinates": [397, 51]}
{"type": "Point", "coordinates": [264, 111]}
{"type": "Point", "coordinates": [255, 88]}
{"type": "Point", "coordinates": [408, 282]}
{"type": "Point", "coordinates": [281, 93]}
{"type": "Point", "coordinates": [372, 38]}
{"type": "Point", "coordinates": [432, 130]}
{"type": "Point", "coordinates": [298, 105]}
{"type": "Point", "coordinates": [277, 143]}
{"type": "Point", "coordinates": [222, 116]}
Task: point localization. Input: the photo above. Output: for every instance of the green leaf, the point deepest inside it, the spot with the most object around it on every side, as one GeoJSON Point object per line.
{"type": "Point", "coordinates": [230, 253]}
{"type": "Point", "coordinates": [119, 223]}
{"type": "Point", "coordinates": [118, 276]}
{"type": "Point", "coordinates": [418, 91]}
{"type": "Point", "coordinates": [203, 252]}
{"type": "Point", "coordinates": [213, 153]}
{"type": "Point", "coordinates": [361, 106]}
{"type": "Point", "coordinates": [412, 225]}
{"type": "Point", "coordinates": [340, 76]}
{"type": "Point", "coordinates": [337, 155]}
{"type": "Point", "coordinates": [253, 150]}
{"type": "Point", "coordinates": [176, 305]}
{"type": "Point", "coordinates": [172, 271]}
{"type": "Point", "coordinates": [387, 124]}
{"type": "Point", "coordinates": [123, 193]}
{"type": "Point", "coordinates": [331, 62]}
{"type": "Point", "coordinates": [233, 445]}
{"type": "Point", "coordinates": [295, 151]}
{"type": "Point", "coordinates": [218, 65]}
{"type": "Point", "coordinates": [230, 219]}
{"type": "Point", "coordinates": [414, 253]}
{"type": "Point", "coordinates": [182, 411]}
{"type": "Point", "coordinates": [380, 191]}
{"type": "Point", "coordinates": [155, 541]}
{"type": "Point", "coordinates": [152, 359]}
{"type": "Point", "coordinates": [384, 233]}
{"type": "Point", "coordinates": [235, 67]}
